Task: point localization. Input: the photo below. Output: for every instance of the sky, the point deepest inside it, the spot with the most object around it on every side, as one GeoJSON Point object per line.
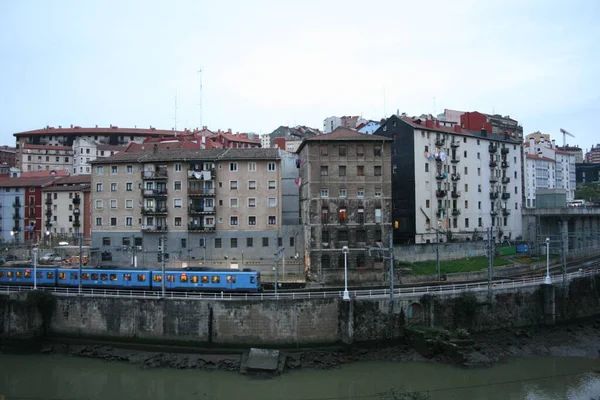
{"type": "Point", "coordinates": [269, 63]}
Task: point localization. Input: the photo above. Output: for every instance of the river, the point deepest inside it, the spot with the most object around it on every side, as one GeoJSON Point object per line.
{"type": "Point", "coordinates": [59, 377]}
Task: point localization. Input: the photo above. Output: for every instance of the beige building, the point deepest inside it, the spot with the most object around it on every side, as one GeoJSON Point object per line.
{"type": "Point", "coordinates": [345, 201]}
{"type": "Point", "coordinates": [219, 206]}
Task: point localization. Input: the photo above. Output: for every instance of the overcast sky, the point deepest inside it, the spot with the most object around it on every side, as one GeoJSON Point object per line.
{"type": "Point", "coordinates": [268, 63]}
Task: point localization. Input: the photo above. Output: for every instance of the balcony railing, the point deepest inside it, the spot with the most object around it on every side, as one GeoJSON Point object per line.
{"type": "Point", "coordinates": [492, 148]}
{"type": "Point", "coordinates": [200, 228]}
{"type": "Point", "coordinates": [493, 179]}
{"type": "Point", "coordinates": [201, 210]}
{"type": "Point", "coordinates": [493, 213]}
{"type": "Point", "coordinates": [493, 195]}
{"type": "Point", "coordinates": [154, 192]}
{"type": "Point", "coordinates": [493, 164]}
{"type": "Point", "coordinates": [161, 174]}
{"type": "Point", "coordinates": [504, 164]}
{"type": "Point", "coordinates": [505, 196]}
{"type": "Point", "coordinates": [505, 211]}
{"type": "Point", "coordinates": [201, 192]}
{"type": "Point", "coordinates": [505, 179]}
{"type": "Point", "coordinates": [154, 228]}
{"type": "Point", "coordinates": [204, 175]}
{"type": "Point", "coordinates": [440, 193]}
{"type": "Point", "coordinates": [439, 142]}
{"type": "Point", "coordinates": [440, 176]}
{"type": "Point", "coordinates": [154, 211]}
{"type": "Point", "coordinates": [455, 143]}
{"type": "Point", "coordinates": [455, 212]}
{"type": "Point", "coordinates": [455, 158]}
{"type": "Point", "coordinates": [455, 177]}
{"type": "Point", "coordinates": [456, 193]}
{"type": "Point", "coordinates": [504, 150]}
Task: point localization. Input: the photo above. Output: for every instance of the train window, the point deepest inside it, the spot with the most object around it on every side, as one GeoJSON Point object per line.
{"type": "Point", "coordinates": [9, 274]}
{"type": "Point", "coordinates": [127, 277]}
{"type": "Point", "coordinates": [49, 275]}
{"type": "Point", "coordinates": [27, 274]}
{"type": "Point", "coordinates": [170, 278]}
{"type": "Point", "coordinates": [230, 279]}
{"type": "Point", "coordinates": [85, 277]}
{"type": "Point", "coordinates": [157, 278]}
{"type": "Point", "coordinates": [216, 279]}
{"type": "Point", "coordinates": [39, 275]}
{"type": "Point", "coordinates": [103, 277]}
{"type": "Point", "coordinates": [62, 276]}
{"type": "Point", "coordinates": [204, 279]}
{"type": "Point", "coordinates": [183, 278]}
{"type": "Point", "coordinates": [74, 276]}
{"type": "Point", "coordinates": [19, 274]}
{"type": "Point", "coordinates": [141, 278]}
{"type": "Point", "coordinates": [94, 277]}
{"type": "Point", "coordinates": [194, 279]}
{"type": "Point", "coordinates": [251, 279]}
{"type": "Point", "coordinates": [2, 274]}
{"type": "Point", "coordinates": [113, 277]}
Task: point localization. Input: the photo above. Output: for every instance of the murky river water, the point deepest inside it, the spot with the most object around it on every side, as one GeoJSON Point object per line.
{"type": "Point", "coordinates": [36, 377]}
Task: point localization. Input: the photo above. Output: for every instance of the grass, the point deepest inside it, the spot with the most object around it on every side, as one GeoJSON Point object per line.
{"type": "Point", "coordinates": [470, 264]}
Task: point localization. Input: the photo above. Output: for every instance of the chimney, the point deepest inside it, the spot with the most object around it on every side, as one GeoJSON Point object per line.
{"type": "Point", "coordinates": [71, 126]}
{"type": "Point", "coordinates": [483, 132]}
{"type": "Point", "coordinates": [96, 126]}
{"type": "Point", "coordinates": [229, 130]}
{"type": "Point", "coordinates": [553, 143]}
{"type": "Point", "coordinates": [531, 145]}
{"type": "Point", "coordinates": [59, 127]}
{"type": "Point", "coordinates": [437, 123]}
{"type": "Point", "coordinates": [428, 123]}
{"type": "Point", "coordinates": [457, 128]}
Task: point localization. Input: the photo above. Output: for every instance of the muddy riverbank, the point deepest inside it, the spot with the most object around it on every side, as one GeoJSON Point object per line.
{"type": "Point", "coordinates": [481, 350]}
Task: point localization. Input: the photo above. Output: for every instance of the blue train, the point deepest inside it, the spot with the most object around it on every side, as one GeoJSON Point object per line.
{"type": "Point", "coordinates": [197, 279]}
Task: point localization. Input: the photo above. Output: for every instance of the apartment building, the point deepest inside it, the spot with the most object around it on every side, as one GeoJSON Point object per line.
{"type": "Point", "coordinates": [207, 204]}
{"type": "Point", "coordinates": [51, 148]}
{"type": "Point", "coordinates": [345, 200]}
{"type": "Point", "coordinates": [548, 167]}
{"type": "Point", "coordinates": [451, 180]}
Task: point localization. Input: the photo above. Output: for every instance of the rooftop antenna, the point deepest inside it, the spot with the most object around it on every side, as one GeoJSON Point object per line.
{"type": "Point", "coordinates": [200, 75]}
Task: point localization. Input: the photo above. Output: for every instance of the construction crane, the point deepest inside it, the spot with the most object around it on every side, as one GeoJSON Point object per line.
{"type": "Point", "coordinates": [565, 133]}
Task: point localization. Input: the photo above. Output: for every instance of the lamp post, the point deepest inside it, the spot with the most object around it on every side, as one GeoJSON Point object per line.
{"type": "Point", "coordinates": [437, 253]}
{"type": "Point", "coordinates": [548, 280]}
{"type": "Point", "coordinates": [35, 256]}
{"type": "Point", "coordinates": [76, 214]}
{"type": "Point", "coordinates": [345, 250]}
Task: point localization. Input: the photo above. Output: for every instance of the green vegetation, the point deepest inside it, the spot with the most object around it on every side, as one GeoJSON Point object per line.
{"type": "Point", "coordinates": [452, 266]}
{"type": "Point", "coordinates": [588, 191]}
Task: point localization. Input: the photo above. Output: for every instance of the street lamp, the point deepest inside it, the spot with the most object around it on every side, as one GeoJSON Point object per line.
{"type": "Point", "coordinates": [548, 280]}
{"type": "Point", "coordinates": [345, 250]}
{"type": "Point", "coordinates": [35, 256]}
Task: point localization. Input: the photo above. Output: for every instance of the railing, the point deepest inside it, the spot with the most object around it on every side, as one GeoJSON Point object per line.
{"type": "Point", "coordinates": [161, 174]}
{"type": "Point", "coordinates": [154, 192]}
{"type": "Point", "coordinates": [200, 210]}
{"type": "Point", "coordinates": [450, 289]}
{"type": "Point", "coordinates": [154, 228]}
{"type": "Point", "coordinates": [201, 192]}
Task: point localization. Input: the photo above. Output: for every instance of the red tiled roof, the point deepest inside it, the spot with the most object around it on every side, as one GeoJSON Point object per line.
{"type": "Point", "coordinates": [166, 145]}
{"type": "Point", "coordinates": [563, 152]}
{"type": "Point", "coordinates": [74, 180]}
{"type": "Point", "coordinates": [28, 182]}
{"type": "Point", "coordinates": [77, 130]}
{"type": "Point", "coordinates": [45, 147]}
{"type": "Point", "coordinates": [445, 129]}
{"type": "Point", "coordinates": [111, 147]}
{"type": "Point", "coordinates": [234, 138]}
{"type": "Point", "coordinates": [37, 174]}
{"type": "Point", "coordinates": [536, 157]}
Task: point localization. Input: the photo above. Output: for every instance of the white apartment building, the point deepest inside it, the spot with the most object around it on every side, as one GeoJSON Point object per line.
{"type": "Point", "coordinates": [456, 181]}
{"type": "Point", "coordinates": [547, 167]}
{"type": "Point", "coordinates": [86, 150]}
{"type": "Point", "coordinates": [265, 140]}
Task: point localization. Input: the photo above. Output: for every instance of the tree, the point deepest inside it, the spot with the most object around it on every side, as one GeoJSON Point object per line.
{"type": "Point", "coordinates": [401, 394]}
{"type": "Point", "coordinates": [588, 192]}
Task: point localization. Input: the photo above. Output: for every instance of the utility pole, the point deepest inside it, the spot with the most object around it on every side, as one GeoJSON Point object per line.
{"type": "Point", "coordinates": [162, 253]}
{"type": "Point", "coordinates": [490, 246]}
{"type": "Point", "coordinates": [390, 250]}
{"type": "Point", "coordinates": [437, 254]}
{"type": "Point", "coordinates": [278, 254]}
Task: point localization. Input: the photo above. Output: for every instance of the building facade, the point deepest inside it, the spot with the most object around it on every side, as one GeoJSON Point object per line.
{"type": "Point", "coordinates": [345, 200]}
{"type": "Point", "coordinates": [587, 173]}
{"type": "Point", "coordinates": [593, 156]}
{"type": "Point", "coordinates": [453, 182]}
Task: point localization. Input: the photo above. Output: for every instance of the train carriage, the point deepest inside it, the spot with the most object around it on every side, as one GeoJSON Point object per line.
{"type": "Point", "coordinates": [104, 279]}
{"type": "Point", "coordinates": [24, 276]}
{"type": "Point", "coordinates": [209, 280]}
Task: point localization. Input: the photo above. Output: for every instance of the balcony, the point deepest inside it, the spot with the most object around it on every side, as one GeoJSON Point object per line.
{"type": "Point", "coordinates": [16, 216]}
{"type": "Point", "coordinates": [204, 175]}
{"type": "Point", "coordinates": [440, 213]}
{"type": "Point", "coordinates": [154, 228]}
{"type": "Point", "coordinates": [455, 194]}
{"type": "Point", "coordinates": [493, 164]}
{"type": "Point", "coordinates": [439, 142]}
{"type": "Point", "coordinates": [455, 158]}
{"type": "Point", "coordinates": [201, 210]}
{"type": "Point", "coordinates": [493, 179]}
{"type": "Point", "coordinates": [455, 212]}
{"type": "Point", "coordinates": [504, 164]}
{"type": "Point", "coordinates": [455, 177]}
{"type": "Point", "coordinates": [440, 193]}
{"type": "Point", "coordinates": [438, 158]}
{"type": "Point", "coordinates": [48, 201]}
{"type": "Point", "coordinates": [493, 195]}
{"type": "Point", "coordinates": [156, 175]}
{"type": "Point", "coordinates": [440, 176]}
{"type": "Point", "coordinates": [494, 213]}
{"type": "Point", "coordinates": [506, 212]}
{"type": "Point", "coordinates": [492, 148]}
{"type": "Point", "coordinates": [201, 192]}
{"type": "Point", "coordinates": [154, 211]}
{"type": "Point", "coordinates": [505, 180]}
{"type": "Point", "coordinates": [505, 196]}
{"type": "Point", "coordinates": [455, 143]}
{"type": "Point", "coordinates": [16, 203]}
{"type": "Point", "coordinates": [200, 228]}
{"type": "Point", "coordinates": [154, 192]}
{"type": "Point", "coordinates": [504, 150]}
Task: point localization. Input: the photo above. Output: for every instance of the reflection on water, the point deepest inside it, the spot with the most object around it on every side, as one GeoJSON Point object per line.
{"type": "Point", "coordinates": [65, 378]}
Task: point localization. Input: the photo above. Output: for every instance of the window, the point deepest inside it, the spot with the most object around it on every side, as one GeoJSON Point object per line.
{"type": "Point", "coordinates": [360, 193]}
{"type": "Point", "coordinates": [113, 221]}
{"type": "Point", "coordinates": [378, 215]}
{"type": "Point", "coordinates": [233, 220]}
{"type": "Point", "coordinates": [113, 204]}
{"type": "Point", "coordinates": [249, 242]}
{"type": "Point", "coordinates": [466, 170]}
{"type": "Point", "coordinates": [466, 222]}
{"type": "Point", "coordinates": [324, 150]}
{"type": "Point", "coordinates": [377, 151]}
{"type": "Point", "coordinates": [113, 187]}
{"type": "Point", "coordinates": [233, 166]}
{"type": "Point", "coordinates": [272, 202]}
{"type": "Point", "coordinates": [178, 167]}
{"type": "Point", "coordinates": [343, 236]}
{"type": "Point", "coordinates": [252, 167]}
{"type": "Point", "coordinates": [252, 202]}
{"type": "Point", "coordinates": [361, 236]}
{"type": "Point", "coordinates": [360, 170]}
{"type": "Point", "coordinates": [342, 150]}
{"type": "Point", "coordinates": [99, 170]}
{"type": "Point", "coordinates": [377, 192]}
{"type": "Point", "coordinates": [426, 203]}
{"type": "Point", "coordinates": [233, 243]}
{"type": "Point", "coordinates": [129, 186]}
{"type": "Point", "coordinates": [426, 167]}
{"type": "Point", "coordinates": [252, 185]}
{"type": "Point", "coordinates": [114, 170]}
{"type": "Point", "coordinates": [342, 170]}
{"type": "Point", "coordinates": [324, 170]}
{"type": "Point", "coordinates": [177, 221]}
{"type": "Point", "coordinates": [360, 150]}
{"type": "Point", "coordinates": [177, 203]}
{"type": "Point", "coordinates": [233, 185]}
{"type": "Point", "coordinates": [325, 261]}
{"type": "Point", "coordinates": [325, 236]}
{"type": "Point", "coordinates": [465, 154]}
{"type": "Point", "coordinates": [130, 169]}
{"type": "Point", "coordinates": [466, 187]}
{"type": "Point", "coordinates": [271, 166]}
{"type": "Point", "coordinates": [324, 215]}
{"type": "Point", "coordinates": [479, 188]}
{"type": "Point", "coordinates": [479, 205]}
{"type": "Point", "coordinates": [378, 170]}
{"type": "Point", "coordinates": [98, 221]}
{"type": "Point", "coordinates": [324, 192]}
{"type": "Point", "coordinates": [252, 220]}
{"type": "Point", "coordinates": [466, 203]}
{"type": "Point", "coordinates": [98, 187]}
{"type": "Point", "coordinates": [201, 242]}
{"type": "Point", "coordinates": [99, 205]}
{"type": "Point", "coordinates": [478, 171]}
{"type": "Point", "coordinates": [265, 242]}
{"type": "Point", "coordinates": [292, 241]}
{"type": "Point", "coordinates": [343, 193]}
{"type": "Point", "coordinates": [272, 220]}
{"type": "Point", "coordinates": [105, 241]}
{"type": "Point", "coordinates": [233, 202]}
{"type": "Point", "coordinates": [218, 243]}
{"type": "Point", "coordinates": [177, 185]}
{"type": "Point", "coordinates": [272, 185]}
{"type": "Point", "coordinates": [128, 221]}
{"type": "Point", "coordinates": [343, 215]}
